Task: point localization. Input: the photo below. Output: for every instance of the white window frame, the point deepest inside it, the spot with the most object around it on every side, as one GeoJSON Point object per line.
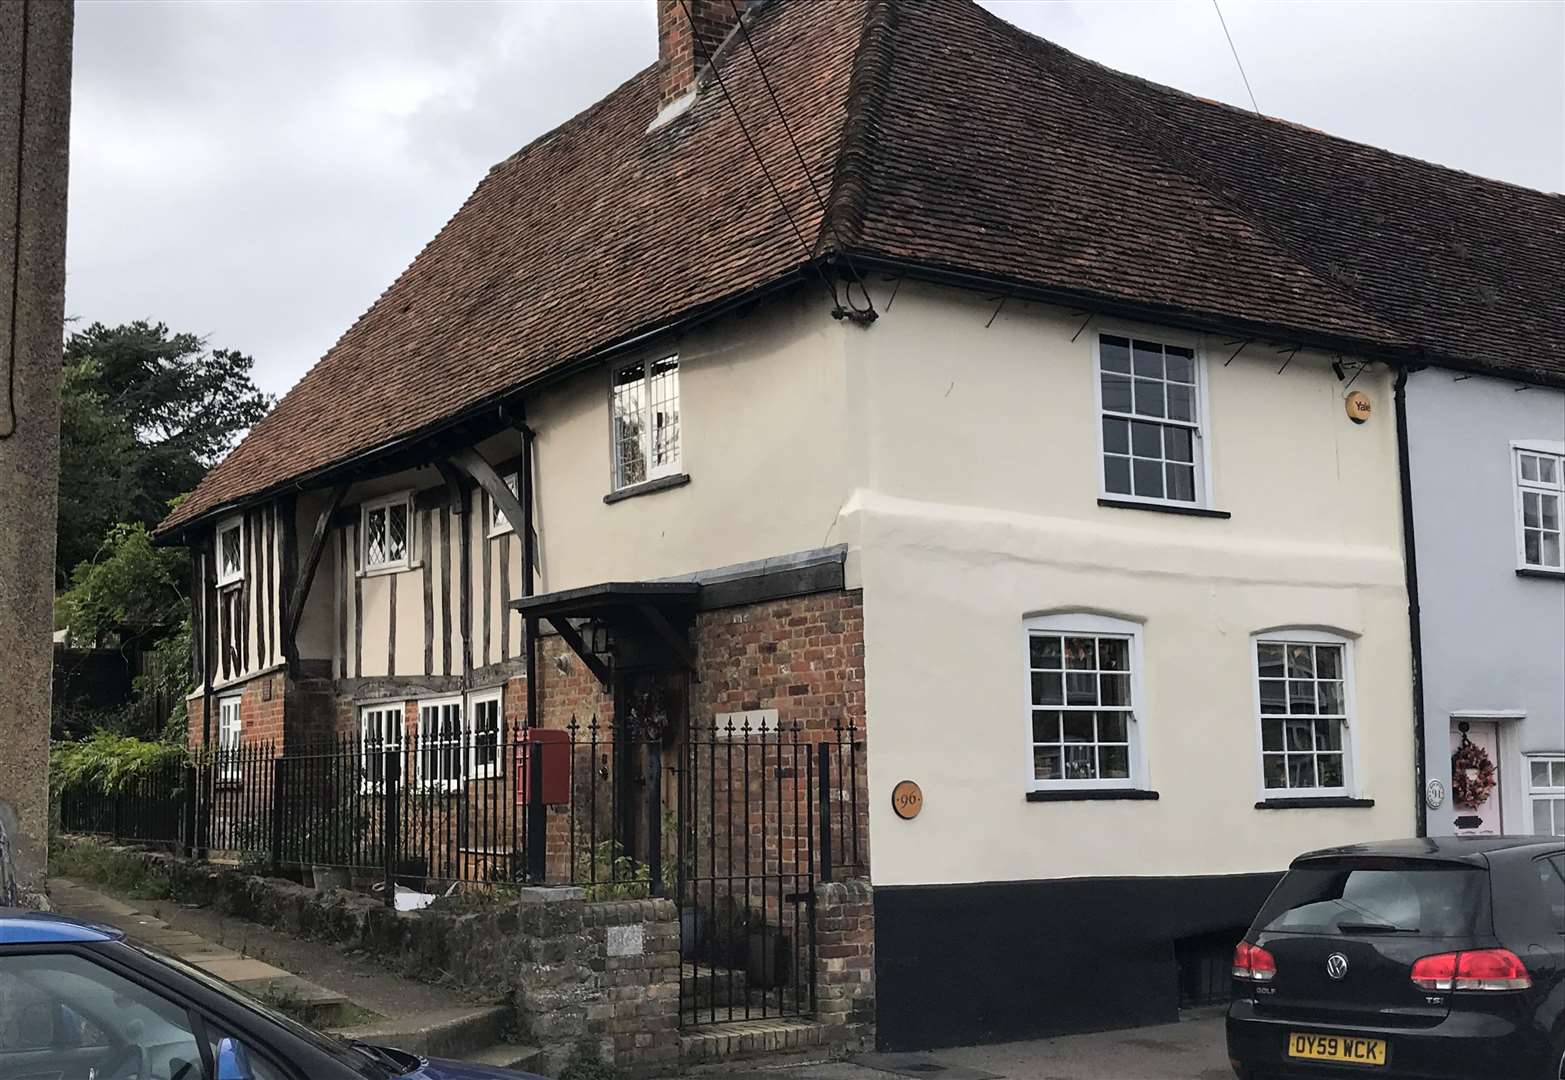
{"type": "Point", "coordinates": [403, 499]}
{"type": "Point", "coordinates": [1549, 793]}
{"type": "Point", "coordinates": [226, 576]}
{"type": "Point", "coordinates": [1201, 450]}
{"type": "Point", "coordinates": [654, 472]}
{"type": "Point", "coordinates": [1545, 449]}
{"type": "Point", "coordinates": [1087, 625]}
{"type": "Point", "coordinates": [1303, 636]}
{"type": "Point", "coordinates": [429, 746]}
{"type": "Point", "coordinates": [373, 745]}
{"type": "Point", "coordinates": [499, 524]}
{"type": "Point", "coordinates": [230, 737]}
{"type": "Point", "coordinates": [476, 771]}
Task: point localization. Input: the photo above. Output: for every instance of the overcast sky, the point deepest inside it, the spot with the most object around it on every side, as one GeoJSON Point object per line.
{"type": "Point", "coordinates": [259, 172]}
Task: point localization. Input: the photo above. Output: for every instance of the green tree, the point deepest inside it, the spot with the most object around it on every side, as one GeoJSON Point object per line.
{"type": "Point", "coordinates": [144, 413]}
{"type": "Point", "coordinates": [130, 590]}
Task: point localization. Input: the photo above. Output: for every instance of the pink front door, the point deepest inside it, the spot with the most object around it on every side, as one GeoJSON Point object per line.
{"type": "Point", "coordinates": [1484, 819]}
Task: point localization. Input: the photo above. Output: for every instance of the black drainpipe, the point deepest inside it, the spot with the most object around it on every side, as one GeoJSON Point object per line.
{"type": "Point", "coordinates": [1414, 631]}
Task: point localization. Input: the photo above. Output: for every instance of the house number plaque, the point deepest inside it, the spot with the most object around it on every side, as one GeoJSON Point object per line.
{"type": "Point", "coordinates": [907, 799]}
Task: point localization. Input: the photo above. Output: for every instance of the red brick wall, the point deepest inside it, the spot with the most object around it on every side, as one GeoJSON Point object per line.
{"type": "Point", "coordinates": [261, 711]}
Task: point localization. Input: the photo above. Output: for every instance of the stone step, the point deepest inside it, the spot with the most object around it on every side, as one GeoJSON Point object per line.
{"type": "Point", "coordinates": [748, 1038]}
{"type": "Point", "coordinates": [452, 1033]}
{"type": "Point", "coordinates": [505, 1056]}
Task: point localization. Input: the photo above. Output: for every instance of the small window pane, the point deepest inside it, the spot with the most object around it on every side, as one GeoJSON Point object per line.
{"type": "Point", "coordinates": [1328, 734]}
{"type": "Point", "coordinates": [1112, 727]}
{"type": "Point", "coordinates": [1045, 726]}
{"type": "Point", "coordinates": [1551, 549]}
{"type": "Point", "coordinates": [1329, 699]}
{"type": "Point", "coordinates": [1301, 771]}
{"type": "Point", "coordinates": [1046, 689]}
{"type": "Point", "coordinates": [1149, 359]}
{"type": "Point", "coordinates": [1116, 475]}
{"type": "Point", "coordinates": [1301, 662]}
{"type": "Point", "coordinates": [1045, 652]}
{"type": "Point", "coordinates": [1081, 688]}
{"type": "Point", "coordinates": [1078, 727]}
{"type": "Point", "coordinates": [1559, 774]}
{"type": "Point", "coordinates": [1180, 364]}
{"type": "Point", "coordinates": [1275, 770]}
{"type": "Point", "coordinates": [1149, 398]}
{"type": "Point", "coordinates": [1300, 735]}
{"type": "Point", "coordinates": [1079, 764]}
{"type": "Point", "coordinates": [1114, 353]}
{"type": "Point", "coordinates": [1114, 762]}
{"type": "Point", "coordinates": [1301, 698]}
{"type": "Point", "coordinates": [1331, 774]}
{"type": "Point", "coordinates": [1046, 763]}
{"type": "Point", "coordinates": [1328, 661]}
{"type": "Point", "coordinates": [1271, 660]}
{"type": "Point", "coordinates": [1181, 402]}
{"type": "Point", "coordinates": [397, 542]}
{"type": "Point", "coordinates": [1532, 547]}
{"type": "Point", "coordinates": [1114, 654]}
{"type": "Point", "coordinates": [1179, 444]}
{"type": "Point", "coordinates": [1148, 478]}
{"type": "Point", "coordinates": [1546, 470]}
{"type": "Point", "coordinates": [1542, 824]}
{"type": "Point", "coordinates": [1081, 653]}
{"type": "Point", "coordinates": [1114, 689]}
{"type": "Point", "coordinates": [1540, 774]}
{"type": "Point", "coordinates": [1549, 507]}
{"type": "Point", "coordinates": [1181, 482]}
{"type": "Point", "coordinates": [1530, 510]}
{"type": "Point", "coordinates": [1146, 440]}
{"type": "Point", "coordinates": [1116, 393]}
{"type": "Point", "coordinates": [1529, 466]}
{"type": "Point", "coordinates": [1116, 436]}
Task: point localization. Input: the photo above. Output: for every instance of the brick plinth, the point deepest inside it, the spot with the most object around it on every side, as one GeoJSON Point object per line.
{"type": "Point", "coordinates": [845, 963]}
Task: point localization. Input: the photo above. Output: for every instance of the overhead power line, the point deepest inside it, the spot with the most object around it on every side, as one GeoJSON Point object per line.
{"type": "Point", "coordinates": [1237, 62]}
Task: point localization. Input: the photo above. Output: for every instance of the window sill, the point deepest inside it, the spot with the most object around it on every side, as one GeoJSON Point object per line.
{"type": "Point", "coordinates": [662, 483]}
{"type": "Point", "coordinates": [1164, 508]}
{"type": "Point", "coordinates": [1530, 571]}
{"type": "Point", "coordinates": [382, 571]}
{"type": "Point", "coordinates": [1092, 795]}
{"type": "Point", "coordinates": [1320, 802]}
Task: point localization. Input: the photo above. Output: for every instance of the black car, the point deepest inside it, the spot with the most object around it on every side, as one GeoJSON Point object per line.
{"type": "Point", "coordinates": [1440, 959]}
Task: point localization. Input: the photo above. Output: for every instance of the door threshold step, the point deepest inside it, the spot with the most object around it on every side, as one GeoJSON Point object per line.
{"type": "Point", "coordinates": [730, 1041]}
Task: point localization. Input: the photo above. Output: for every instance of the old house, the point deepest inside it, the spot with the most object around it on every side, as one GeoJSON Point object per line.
{"type": "Point", "coordinates": [873, 390]}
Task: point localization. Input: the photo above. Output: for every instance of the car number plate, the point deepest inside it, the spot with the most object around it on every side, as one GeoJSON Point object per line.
{"type": "Point", "coordinates": [1344, 1048]}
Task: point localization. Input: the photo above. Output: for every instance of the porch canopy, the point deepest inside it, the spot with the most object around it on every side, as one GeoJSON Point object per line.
{"type": "Point", "coordinates": [627, 612]}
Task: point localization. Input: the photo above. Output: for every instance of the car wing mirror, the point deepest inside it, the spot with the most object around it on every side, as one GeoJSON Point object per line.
{"type": "Point", "coordinates": [233, 1060]}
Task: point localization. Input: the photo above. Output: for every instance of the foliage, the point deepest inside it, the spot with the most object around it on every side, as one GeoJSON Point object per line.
{"type": "Point", "coordinates": [170, 678]}
{"type": "Point", "coordinates": [127, 589]}
{"type": "Point", "coordinates": [144, 413]}
{"type": "Point", "coordinates": [586, 1063]}
{"type": "Point", "coordinates": [108, 761]}
{"type": "Point", "coordinates": [613, 875]}
{"type": "Point", "coordinates": [119, 872]}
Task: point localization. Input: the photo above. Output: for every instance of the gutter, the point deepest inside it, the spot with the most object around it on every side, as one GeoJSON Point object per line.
{"type": "Point", "coordinates": [1414, 615]}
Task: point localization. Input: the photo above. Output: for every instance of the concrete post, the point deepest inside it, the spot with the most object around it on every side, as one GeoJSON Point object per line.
{"type": "Point", "coordinates": [35, 99]}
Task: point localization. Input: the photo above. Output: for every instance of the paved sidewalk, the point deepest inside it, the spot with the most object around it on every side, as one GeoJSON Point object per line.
{"type": "Point", "coordinates": [1192, 1049]}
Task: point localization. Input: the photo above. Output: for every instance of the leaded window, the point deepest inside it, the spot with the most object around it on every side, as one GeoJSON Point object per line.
{"type": "Point", "coordinates": [230, 551]}
{"type": "Point", "coordinates": [387, 534]}
{"type": "Point", "coordinates": [645, 418]}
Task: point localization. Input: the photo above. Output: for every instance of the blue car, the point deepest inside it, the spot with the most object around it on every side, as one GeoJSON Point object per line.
{"type": "Point", "coordinates": [80, 1002]}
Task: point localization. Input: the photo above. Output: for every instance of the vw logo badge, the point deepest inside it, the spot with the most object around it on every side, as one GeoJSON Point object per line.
{"type": "Point", "coordinates": [1336, 965]}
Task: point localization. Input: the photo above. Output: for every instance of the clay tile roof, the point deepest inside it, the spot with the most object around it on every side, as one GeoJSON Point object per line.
{"type": "Point", "coordinates": [945, 139]}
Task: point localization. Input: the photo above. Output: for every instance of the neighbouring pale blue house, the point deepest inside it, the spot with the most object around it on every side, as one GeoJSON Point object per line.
{"type": "Point", "coordinates": [1486, 458]}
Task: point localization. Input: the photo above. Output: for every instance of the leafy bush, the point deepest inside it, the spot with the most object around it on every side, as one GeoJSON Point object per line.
{"type": "Point", "coordinates": [586, 1063]}
{"type": "Point", "coordinates": [109, 762]}
{"type": "Point", "coordinates": [118, 872]}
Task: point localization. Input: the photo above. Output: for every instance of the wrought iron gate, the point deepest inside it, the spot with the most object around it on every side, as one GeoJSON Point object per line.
{"type": "Point", "coordinates": [758, 813]}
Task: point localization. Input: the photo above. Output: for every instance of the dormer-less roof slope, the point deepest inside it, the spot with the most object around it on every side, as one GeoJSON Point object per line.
{"type": "Point", "coordinates": [944, 139]}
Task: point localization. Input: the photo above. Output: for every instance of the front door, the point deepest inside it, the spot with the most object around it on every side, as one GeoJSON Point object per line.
{"type": "Point", "coordinates": [1472, 742]}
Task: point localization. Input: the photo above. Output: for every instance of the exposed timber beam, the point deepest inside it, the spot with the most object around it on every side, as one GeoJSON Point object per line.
{"type": "Point", "coordinates": [504, 498]}
{"type": "Point", "coordinates": [563, 627]}
{"type": "Point", "coordinates": [671, 637]}
{"type": "Point", "coordinates": [312, 562]}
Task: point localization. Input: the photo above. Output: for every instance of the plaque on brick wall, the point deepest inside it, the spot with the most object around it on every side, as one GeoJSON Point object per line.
{"type": "Point", "coordinates": [907, 799]}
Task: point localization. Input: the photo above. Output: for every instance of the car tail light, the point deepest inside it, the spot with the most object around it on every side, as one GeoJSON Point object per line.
{"type": "Point", "coordinates": [1253, 962]}
{"type": "Point", "coordinates": [1485, 969]}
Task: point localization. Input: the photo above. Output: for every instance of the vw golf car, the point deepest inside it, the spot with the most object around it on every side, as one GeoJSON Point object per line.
{"type": "Point", "coordinates": [1437, 959]}
{"type": "Point", "coordinates": [80, 1002]}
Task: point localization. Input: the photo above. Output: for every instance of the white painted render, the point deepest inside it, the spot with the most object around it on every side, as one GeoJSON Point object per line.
{"type": "Point", "coordinates": [978, 507]}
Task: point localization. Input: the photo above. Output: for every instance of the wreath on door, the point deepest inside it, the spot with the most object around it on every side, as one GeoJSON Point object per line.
{"type": "Point", "coordinates": [1472, 775]}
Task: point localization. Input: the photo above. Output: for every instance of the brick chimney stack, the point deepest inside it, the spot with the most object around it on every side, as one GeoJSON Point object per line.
{"type": "Point", "coordinates": [685, 41]}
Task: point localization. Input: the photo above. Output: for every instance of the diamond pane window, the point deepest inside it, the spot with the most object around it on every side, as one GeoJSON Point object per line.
{"type": "Point", "coordinates": [644, 418]}
{"type": "Point", "coordinates": [1151, 430]}
{"type": "Point", "coordinates": [498, 522]}
{"type": "Point", "coordinates": [1540, 479]}
{"type": "Point", "coordinates": [1080, 701]}
{"type": "Point", "coordinates": [386, 532]}
{"type": "Point", "coordinates": [1302, 695]}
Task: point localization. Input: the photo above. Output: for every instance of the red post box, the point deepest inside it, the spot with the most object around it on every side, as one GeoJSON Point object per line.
{"type": "Point", "coordinates": [554, 749]}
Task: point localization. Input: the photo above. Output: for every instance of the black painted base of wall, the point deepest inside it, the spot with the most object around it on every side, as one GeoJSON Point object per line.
{"type": "Point", "coordinates": [959, 964]}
